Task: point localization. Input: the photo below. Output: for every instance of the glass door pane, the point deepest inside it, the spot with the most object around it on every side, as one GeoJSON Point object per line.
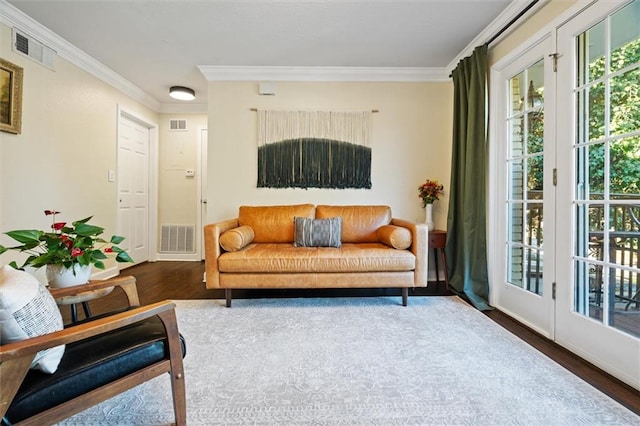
{"type": "Point", "coordinates": [606, 255]}
{"type": "Point", "coordinates": [525, 162]}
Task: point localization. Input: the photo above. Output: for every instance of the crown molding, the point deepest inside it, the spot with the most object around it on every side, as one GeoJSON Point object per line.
{"type": "Point", "coordinates": [13, 17]}
{"type": "Point", "coordinates": [508, 14]}
{"type": "Point", "coordinates": [326, 74]}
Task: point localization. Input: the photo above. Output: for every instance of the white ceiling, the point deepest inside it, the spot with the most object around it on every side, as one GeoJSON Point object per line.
{"type": "Point", "coordinates": [155, 44]}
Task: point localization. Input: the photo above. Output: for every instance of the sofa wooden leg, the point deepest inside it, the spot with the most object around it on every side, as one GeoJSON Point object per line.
{"type": "Point", "coordinates": [227, 294]}
{"type": "Point", "coordinates": [405, 295]}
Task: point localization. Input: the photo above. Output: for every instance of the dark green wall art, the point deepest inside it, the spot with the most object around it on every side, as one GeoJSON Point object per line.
{"type": "Point", "coordinates": [314, 163]}
{"type": "Point", "coordinates": [314, 149]}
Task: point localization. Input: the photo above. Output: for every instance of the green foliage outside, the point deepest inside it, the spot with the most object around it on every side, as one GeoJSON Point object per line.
{"type": "Point", "coordinates": [624, 119]}
{"type": "Point", "coordinates": [624, 152]}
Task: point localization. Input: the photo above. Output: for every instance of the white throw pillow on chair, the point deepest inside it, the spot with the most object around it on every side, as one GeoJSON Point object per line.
{"type": "Point", "coordinates": [27, 309]}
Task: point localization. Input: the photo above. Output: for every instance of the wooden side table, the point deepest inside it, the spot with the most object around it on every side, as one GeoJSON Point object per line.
{"type": "Point", "coordinates": [80, 298]}
{"type": "Point", "coordinates": [437, 241]}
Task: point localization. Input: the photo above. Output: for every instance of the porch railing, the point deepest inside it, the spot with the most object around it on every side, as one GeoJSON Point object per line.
{"type": "Point", "coordinates": [623, 247]}
{"type": "Point", "coordinates": [623, 250]}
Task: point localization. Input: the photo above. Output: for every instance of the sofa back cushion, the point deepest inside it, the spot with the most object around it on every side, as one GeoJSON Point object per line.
{"type": "Point", "coordinates": [359, 223]}
{"type": "Point", "coordinates": [273, 224]}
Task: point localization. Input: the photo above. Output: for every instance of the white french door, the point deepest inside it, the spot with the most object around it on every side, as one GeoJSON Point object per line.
{"type": "Point", "coordinates": [524, 161]}
{"type": "Point", "coordinates": [598, 196]}
{"type": "Point", "coordinates": [566, 186]}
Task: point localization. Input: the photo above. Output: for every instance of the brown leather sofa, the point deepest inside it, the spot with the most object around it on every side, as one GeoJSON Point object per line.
{"type": "Point", "coordinates": [260, 249]}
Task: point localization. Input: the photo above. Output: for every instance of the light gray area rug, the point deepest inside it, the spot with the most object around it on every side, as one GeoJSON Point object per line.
{"type": "Point", "coordinates": [359, 361]}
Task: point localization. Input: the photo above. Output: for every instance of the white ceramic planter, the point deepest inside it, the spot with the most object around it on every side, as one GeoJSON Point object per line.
{"type": "Point", "coordinates": [58, 276]}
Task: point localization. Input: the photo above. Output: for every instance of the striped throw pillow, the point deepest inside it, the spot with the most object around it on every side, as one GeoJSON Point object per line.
{"type": "Point", "coordinates": [317, 232]}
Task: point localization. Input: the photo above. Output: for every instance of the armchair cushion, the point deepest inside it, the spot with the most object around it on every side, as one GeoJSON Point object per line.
{"type": "Point", "coordinates": [103, 358]}
{"type": "Point", "coordinates": [27, 309]}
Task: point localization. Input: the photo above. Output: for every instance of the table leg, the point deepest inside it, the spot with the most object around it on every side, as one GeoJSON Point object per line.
{"type": "Point", "coordinates": [435, 259]}
{"type": "Point", "coordinates": [443, 257]}
{"type": "Point", "coordinates": [87, 310]}
{"type": "Point", "coordinates": [74, 312]}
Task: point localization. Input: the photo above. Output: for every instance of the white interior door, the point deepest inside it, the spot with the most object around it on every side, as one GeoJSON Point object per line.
{"type": "Point", "coordinates": [524, 163]}
{"type": "Point", "coordinates": [598, 230]}
{"type": "Point", "coordinates": [133, 187]}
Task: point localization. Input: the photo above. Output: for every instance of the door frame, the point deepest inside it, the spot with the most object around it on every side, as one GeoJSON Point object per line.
{"type": "Point", "coordinates": [152, 219]}
{"type": "Point", "coordinates": [201, 182]}
{"type": "Point", "coordinates": [496, 107]}
{"type": "Point", "coordinates": [515, 301]}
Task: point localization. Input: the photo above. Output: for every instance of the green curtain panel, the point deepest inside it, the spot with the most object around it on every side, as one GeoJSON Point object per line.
{"type": "Point", "coordinates": [466, 246]}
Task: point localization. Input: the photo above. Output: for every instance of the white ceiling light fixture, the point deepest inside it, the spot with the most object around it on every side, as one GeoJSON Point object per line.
{"type": "Point", "coordinates": [182, 93]}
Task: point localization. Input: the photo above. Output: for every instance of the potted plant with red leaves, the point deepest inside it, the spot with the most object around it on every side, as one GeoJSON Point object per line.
{"type": "Point", "coordinates": [66, 250]}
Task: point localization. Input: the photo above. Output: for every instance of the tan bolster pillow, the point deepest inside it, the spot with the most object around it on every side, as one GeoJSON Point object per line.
{"type": "Point", "coordinates": [236, 238]}
{"type": "Point", "coordinates": [394, 236]}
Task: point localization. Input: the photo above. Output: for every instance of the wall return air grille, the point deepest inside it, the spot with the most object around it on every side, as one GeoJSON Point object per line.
{"type": "Point", "coordinates": [178, 125]}
{"type": "Point", "coordinates": [177, 239]}
{"type": "Point", "coordinates": [26, 45]}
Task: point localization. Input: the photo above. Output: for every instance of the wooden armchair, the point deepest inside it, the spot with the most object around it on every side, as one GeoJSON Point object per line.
{"type": "Point", "coordinates": [103, 357]}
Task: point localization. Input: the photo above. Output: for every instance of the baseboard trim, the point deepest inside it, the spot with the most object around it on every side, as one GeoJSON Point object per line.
{"type": "Point", "coordinates": [177, 257]}
{"type": "Point", "coordinates": [104, 274]}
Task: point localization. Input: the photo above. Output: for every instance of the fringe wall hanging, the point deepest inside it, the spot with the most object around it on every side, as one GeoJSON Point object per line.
{"type": "Point", "coordinates": [314, 149]}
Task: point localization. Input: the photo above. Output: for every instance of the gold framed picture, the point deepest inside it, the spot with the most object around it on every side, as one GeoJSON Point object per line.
{"type": "Point", "coordinates": [10, 97]}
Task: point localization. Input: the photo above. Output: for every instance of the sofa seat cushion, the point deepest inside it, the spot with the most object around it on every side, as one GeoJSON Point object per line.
{"type": "Point", "coordinates": [285, 258]}
{"type": "Point", "coordinates": [103, 359]}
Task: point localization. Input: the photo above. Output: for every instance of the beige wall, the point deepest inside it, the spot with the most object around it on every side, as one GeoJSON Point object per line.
{"type": "Point", "coordinates": [67, 145]}
{"type": "Point", "coordinates": [411, 141]}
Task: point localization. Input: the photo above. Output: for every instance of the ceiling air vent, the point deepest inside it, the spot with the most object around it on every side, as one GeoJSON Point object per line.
{"type": "Point", "coordinates": [178, 125]}
{"type": "Point", "coordinates": [33, 49]}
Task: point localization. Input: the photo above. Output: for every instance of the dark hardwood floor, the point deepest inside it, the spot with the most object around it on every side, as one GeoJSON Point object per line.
{"type": "Point", "coordinates": [184, 280]}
